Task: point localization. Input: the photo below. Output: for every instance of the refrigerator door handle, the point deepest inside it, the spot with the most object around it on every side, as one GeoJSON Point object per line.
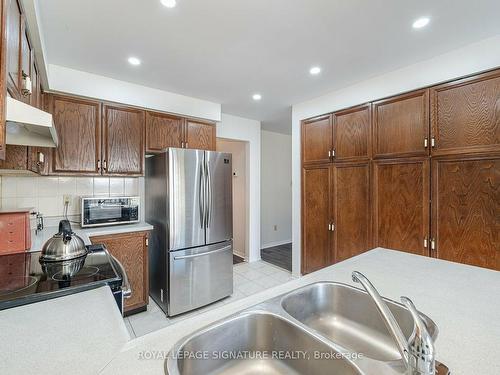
{"type": "Point", "coordinates": [209, 197]}
{"type": "Point", "coordinates": [202, 195]}
{"type": "Point", "coordinates": [202, 254]}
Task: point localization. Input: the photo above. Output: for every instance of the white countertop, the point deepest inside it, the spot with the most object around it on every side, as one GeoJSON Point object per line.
{"type": "Point", "coordinates": [75, 334]}
{"type": "Point", "coordinates": [462, 300]}
{"type": "Point", "coordinates": [37, 240]}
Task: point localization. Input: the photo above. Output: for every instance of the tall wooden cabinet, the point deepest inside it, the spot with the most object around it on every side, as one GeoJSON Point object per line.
{"type": "Point", "coordinates": [351, 209]}
{"type": "Point", "coordinates": [428, 180]}
{"type": "Point", "coordinates": [466, 210]}
{"type": "Point", "coordinates": [317, 217]}
{"type": "Point", "coordinates": [401, 204]}
{"type": "Point", "coordinates": [336, 187]}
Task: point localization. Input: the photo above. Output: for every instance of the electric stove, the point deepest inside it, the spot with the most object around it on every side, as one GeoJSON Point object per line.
{"type": "Point", "coordinates": [24, 279]}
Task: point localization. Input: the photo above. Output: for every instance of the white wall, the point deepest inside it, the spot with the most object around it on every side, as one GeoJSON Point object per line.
{"type": "Point", "coordinates": [276, 189]}
{"type": "Point", "coordinates": [95, 86]}
{"type": "Point", "coordinates": [470, 59]}
{"type": "Point", "coordinates": [242, 129]}
{"type": "Point", "coordinates": [238, 150]}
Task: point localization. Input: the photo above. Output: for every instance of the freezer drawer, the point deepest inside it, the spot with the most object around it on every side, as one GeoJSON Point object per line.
{"type": "Point", "coordinates": [199, 276]}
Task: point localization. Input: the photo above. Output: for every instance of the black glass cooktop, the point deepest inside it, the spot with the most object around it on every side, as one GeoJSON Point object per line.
{"type": "Point", "coordinates": [24, 279]}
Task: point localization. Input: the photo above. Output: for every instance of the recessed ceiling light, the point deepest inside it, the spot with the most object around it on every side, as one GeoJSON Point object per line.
{"type": "Point", "coordinates": [421, 22]}
{"type": "Point", "coordinates": [315, 70]}
{"type": "Point", "coordinates": [169, 3]}
{"type": "Point", "coordinates": [256, 97]}
{"type": "Point", "coordinates": [134, 61]}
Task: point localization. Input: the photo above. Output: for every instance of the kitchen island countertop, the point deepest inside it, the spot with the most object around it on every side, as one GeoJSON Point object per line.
{"type": "Point", "coordinates": [462, 300]}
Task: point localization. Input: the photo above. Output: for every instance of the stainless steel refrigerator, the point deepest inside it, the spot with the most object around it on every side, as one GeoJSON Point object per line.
{"type": "Point", "coordinates": [189, 203]}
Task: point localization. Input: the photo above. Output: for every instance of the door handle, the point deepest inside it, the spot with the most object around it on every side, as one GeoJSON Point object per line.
{"type": "Point", "coordinates": [209, 195]}
{"type": "Point", "coordinates": [180, 257]}
{"type": "Point", "coordinates": [202, 195]}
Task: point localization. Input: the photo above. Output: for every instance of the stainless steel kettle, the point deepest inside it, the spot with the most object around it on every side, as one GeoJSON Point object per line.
{"type": "Point", "coordinates": [64, 245]}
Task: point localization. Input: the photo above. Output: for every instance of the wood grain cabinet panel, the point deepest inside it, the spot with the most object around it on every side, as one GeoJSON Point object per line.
{"type": "Point", "coordinates": [123, 141]}
{"type": "Point", "coordinates": [16, 158]}
{"type": "Point", "coordinates": [163, 131]}
{"type": "Point", "coordinates": [401, 204]}
{"type": "Point", "coordinates": [78, 125]}
{"type": "Point", "coordinates": [466, 210]}
{"type": "Point", "coordinates": [465, 115]}
{"type": "Point", "coordinates": [13, 50]}
{"type": "Point", "coordinates": [316, 218]}
{"type": "Point", "coordinates": [352, 133]}
{"type": "Point", "coordinates": [317, 139]}
{"type": "Point", "coordinates": [200, 135]}
{"type": "Point", "coordinates": [351, 209]}
{"type": "Point", "coordinates": [131, 250]}
{"type": "Point", "coordinates": [401, 125]}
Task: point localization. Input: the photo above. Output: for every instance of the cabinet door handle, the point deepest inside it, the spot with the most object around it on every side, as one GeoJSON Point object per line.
{"type": "Point", "coordinates": [187, 145]}
{"type": "Point", "coordinates": [426, 242]}
{"type": "Point", "coordinates": [329, 154]}
{"type": "Point", "coordinates": [98, 165]}
{"type": "Point", "coordinates": [104, 165]}
{"type": "Point", "coordinates": [426, 142]}
{"type": "Point", "coordinates": [182, 144]}
{"type": "Point", "coordinates": [333, 152]}
{"type": "Point", "coordinates": [433, 142]}
{"type": "Point", "coordinates": [433, 244]}
{"type": "Point", "coordinates": [329, 227]}
{"type": "Point", "coordinates": [333, 227]}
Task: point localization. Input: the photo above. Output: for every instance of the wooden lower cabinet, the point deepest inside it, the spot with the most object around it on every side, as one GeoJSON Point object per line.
{"type": "Point", "coordinates": [316, 218]}
{"type": "Point", "coordinates": [466, 210]}
{"type": "Point", "coordinates": [132, 251]}
{"type": "Point", "coordinates": [351, 210]}
{"type": "Point", "coordinates": [401, 203]}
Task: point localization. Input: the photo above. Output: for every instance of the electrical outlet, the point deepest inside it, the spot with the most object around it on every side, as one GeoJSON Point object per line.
{"type": "Point", "coordinates": [67, 200]}
{"type": "Point", "coordinates": [275, 227]}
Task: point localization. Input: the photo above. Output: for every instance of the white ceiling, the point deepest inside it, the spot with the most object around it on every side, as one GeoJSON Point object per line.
{"type": "Point", "coordinates": [226, 50]}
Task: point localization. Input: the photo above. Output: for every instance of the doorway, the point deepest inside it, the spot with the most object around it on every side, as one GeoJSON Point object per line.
{"type": "Point", "coordinates": [238, 150]}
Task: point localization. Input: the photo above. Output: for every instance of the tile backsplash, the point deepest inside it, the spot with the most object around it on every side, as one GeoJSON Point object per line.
{"type": "Point", "coordinates": [46, 194]}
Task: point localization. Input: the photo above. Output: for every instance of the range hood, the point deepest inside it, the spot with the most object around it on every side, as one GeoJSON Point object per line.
{"type": "Point", "coordinates": [29, 126]}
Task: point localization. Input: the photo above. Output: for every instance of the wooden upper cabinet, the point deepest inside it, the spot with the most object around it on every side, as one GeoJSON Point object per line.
{"type": "Point", "coordinates": [78, 125]}
{"type": "Point", "coordinates": [163, 131]}
{"type": "Point", "coordinates": [352, 133]}
{"type": "Point", "coordinates": [351, 209]}
{"type": "Point", "coordinates": [465, 115]}
{"type": "Point", "coordinates": [16, 158]}
{"type": "Point", "coordinates": [200, 135]}
{"type": "Point", "coordinates": [13, 48]}
{"type": "Point", "coordinates": [316, 218]}
{"type": "Point", "coordinates": [123, 140]}
{"type": "Point", "coordinates": [401, 204]}
{"type": "Point", "coordinates": [466, 210]}
{"type": "Point", "coordinates": [401, 125]}
{"type": "Point", "coordinates": [317, 140]}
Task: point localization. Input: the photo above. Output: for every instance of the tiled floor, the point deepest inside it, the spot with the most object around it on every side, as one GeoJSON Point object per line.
{"type": "Point", "coordinates": [249, 278]}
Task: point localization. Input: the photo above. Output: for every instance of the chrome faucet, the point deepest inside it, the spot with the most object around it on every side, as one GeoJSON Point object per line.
{"type": "Point", "coordinates": [418, 353]}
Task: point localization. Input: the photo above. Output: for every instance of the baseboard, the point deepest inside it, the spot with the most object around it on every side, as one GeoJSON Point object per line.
{"type": "Point", "coordinates": [275, 243]}
{"type": "Point", "coordinates": [238, 254]}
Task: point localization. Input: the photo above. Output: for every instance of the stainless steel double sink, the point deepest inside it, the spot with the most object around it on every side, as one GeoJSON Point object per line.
{"type": "Point", "coordinates": [322, 328]}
